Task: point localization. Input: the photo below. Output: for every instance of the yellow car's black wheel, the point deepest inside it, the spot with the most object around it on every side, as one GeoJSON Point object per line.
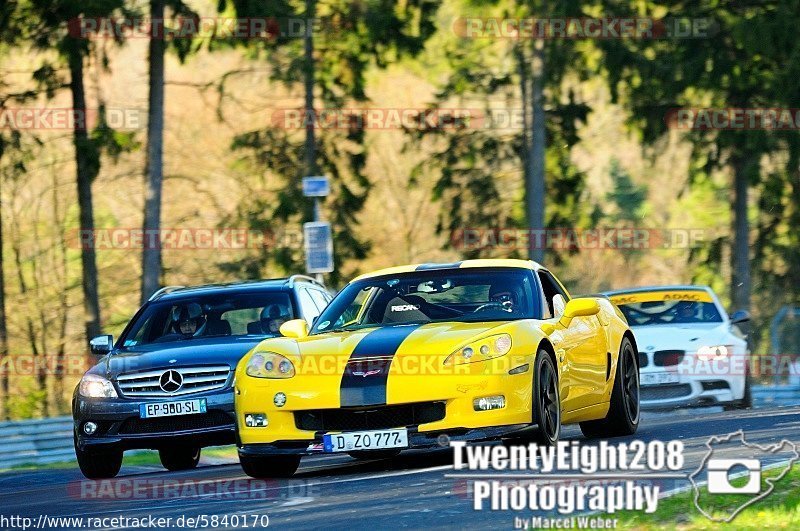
{"type": "Point", "coordinates": [546, 400]}
{"type": "Point", "coordinates": [623, 413]}
{"type": "Point", "coordinates": [180, 458]}
{"type": "Point", "coordinates": [269, 466]}
{"type": "Point", "coordinates": [546, 406]}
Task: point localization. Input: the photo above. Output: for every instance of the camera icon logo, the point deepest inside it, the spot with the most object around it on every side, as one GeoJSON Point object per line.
{"type": "Point", "coordinates": [719, 481]}
{"type": "Point", "coordinates": [742, 475]}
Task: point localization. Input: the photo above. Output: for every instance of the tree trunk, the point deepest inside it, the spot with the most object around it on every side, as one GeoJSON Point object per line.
{"type": "Point", "coordinates": [60, 275]}
{"type": "Point", "coordinates": [31, 331]}
{"type": "Point", "coordinates": [740, 257]}
{"type": "Point", "coordinates": [524, 91]}
{"type": "Point", "coordinates": [4, 361]}
{"type": "Point", "coordinates": [534, 186]}
{"type": "Point", "coordinates": [87, 166]}
{"type": "Point", "coordinates": [311, 143]}
{"type": "Point", "coordinates": [151, 255]}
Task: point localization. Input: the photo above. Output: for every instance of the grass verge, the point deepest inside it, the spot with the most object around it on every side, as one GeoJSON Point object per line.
{"type": "Point", "coordinates": [779, 510]}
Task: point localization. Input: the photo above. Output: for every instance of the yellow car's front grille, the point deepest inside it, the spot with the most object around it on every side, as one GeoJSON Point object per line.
{"type": "Point", "coordinates": [372, 418]}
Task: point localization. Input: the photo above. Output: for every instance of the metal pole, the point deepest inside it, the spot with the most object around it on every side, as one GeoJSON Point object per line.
{"type": "Point", "coordinates": [318, 217]}
{"type": "Point", "coordinates": [775, 340]}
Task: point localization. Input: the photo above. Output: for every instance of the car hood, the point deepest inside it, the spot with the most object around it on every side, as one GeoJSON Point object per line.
{"type": "Point", "coordinates": [198, 352]}
{"type": "Point", "coordinates": [434, 339]}
{"type": "Point", "coordinates": [688, 337]}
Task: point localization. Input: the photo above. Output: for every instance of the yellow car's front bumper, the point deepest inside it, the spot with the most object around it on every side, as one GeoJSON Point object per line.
{"type": "Point", "coordinates": [318, 397]}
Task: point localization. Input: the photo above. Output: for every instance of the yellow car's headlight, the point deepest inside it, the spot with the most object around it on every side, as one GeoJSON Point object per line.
{"type": "Point", "coordinates": [481, 350]}
{"type": "Point", "coordinates": [269, 365]}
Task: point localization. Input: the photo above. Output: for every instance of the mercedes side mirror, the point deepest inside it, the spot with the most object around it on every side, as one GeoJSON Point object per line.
{"type": "Point", "coordinates": [740, 316]}
{"type": "Point", "coordinates": [101, 345]}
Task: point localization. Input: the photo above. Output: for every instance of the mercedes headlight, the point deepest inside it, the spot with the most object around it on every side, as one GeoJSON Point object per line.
{"type": "Point", "coordinates": [94, 386]}
{"type": "Point", "coordinates": [716, 352]}
{"type": "Point", "coordinates": [481, 350]}
{"type": "Point", "coordinates": [269, 365]}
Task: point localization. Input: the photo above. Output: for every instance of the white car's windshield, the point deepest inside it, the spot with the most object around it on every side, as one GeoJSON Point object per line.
{"type": "Point", "coordinates": [670, 312]}
{"type": "Point", "coordinates": [432, 296]}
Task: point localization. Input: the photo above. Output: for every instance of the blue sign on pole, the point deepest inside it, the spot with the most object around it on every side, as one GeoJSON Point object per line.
{"type": "Point", "coordinates": [319, 246]}
{"type": "Point", "coordinates": [316, 186]}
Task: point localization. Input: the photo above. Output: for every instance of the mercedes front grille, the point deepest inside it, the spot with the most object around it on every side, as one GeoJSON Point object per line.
{"type": "Point", "coordinates": [170, 382]}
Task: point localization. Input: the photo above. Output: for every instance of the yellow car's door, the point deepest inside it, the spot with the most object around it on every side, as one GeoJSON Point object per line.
{"type": "Point", "coordinates": [580, 350]}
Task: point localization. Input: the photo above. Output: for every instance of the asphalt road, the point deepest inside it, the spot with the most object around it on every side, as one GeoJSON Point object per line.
{"type": "Point", "coordinates": [410, 490]}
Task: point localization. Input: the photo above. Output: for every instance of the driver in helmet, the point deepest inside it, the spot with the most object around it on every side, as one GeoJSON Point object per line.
{"type": "Point", "coordinates": [272, 317]}
{"type": "Point", "coordinates": [506, 296]}
{"type": "Point", "coordinates": [684, 312]}
{"type": "Point", "coordinates": [188, 320]}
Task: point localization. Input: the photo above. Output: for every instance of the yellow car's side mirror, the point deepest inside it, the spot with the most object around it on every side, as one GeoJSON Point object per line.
{"type": "Point", "coordinates": [296, 328]}
{"type": "Point", "coordinates": [579, 308]}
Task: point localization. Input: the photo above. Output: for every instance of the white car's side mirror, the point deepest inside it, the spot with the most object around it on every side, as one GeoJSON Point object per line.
{"type": "Point", "coordinates": [739, 317]}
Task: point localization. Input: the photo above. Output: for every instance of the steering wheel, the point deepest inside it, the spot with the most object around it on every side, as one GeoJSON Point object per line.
{"type": "Point", "coordinates": [492, 304]}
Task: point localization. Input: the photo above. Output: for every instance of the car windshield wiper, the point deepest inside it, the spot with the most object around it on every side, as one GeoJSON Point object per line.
{"type": "Point", "coordinates": [346, 328]}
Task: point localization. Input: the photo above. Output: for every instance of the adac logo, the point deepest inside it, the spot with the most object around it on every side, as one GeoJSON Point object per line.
{"type": "Point", "coordinates": [738, 475]}
{"type": "Point", "coordinates": [171, 381]}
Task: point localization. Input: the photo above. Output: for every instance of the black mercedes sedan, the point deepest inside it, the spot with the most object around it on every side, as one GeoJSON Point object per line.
{"type": "Point", "coordinates": [166, 382]}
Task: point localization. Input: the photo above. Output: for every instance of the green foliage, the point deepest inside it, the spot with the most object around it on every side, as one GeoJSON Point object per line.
{"type": "Point", "coordinates": [626, 196]}
{"type": "Point", "coordinates": [28, 401]}
{"type": "Point", "coordinates": [113, 143]}
{"type": "Point", "coordinates": [748, 60]}
{"type": "Point", "coordinates": [472, 161]}
{"type": "Point", "coordinates": [350, 39]}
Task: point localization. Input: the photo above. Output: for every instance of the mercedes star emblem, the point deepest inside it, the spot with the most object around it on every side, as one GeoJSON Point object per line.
{"type": "Point", "coordinates": [171, 381]}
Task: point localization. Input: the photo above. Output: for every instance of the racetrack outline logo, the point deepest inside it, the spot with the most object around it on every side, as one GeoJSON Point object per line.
{"type": "Point", "coordinates": [769, 481]}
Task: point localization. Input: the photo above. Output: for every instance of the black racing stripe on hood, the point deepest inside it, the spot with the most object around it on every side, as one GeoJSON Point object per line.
{"type": "Point", "coordinates": [367, 370]}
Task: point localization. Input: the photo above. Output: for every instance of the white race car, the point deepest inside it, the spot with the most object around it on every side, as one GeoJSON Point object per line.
{"type": "Point", "coordinates": [691, 353]}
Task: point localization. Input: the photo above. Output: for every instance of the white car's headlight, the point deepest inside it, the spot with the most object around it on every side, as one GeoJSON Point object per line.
{"type": "Point", "coordinates": [270, 365]}
{"type": "Point", "coordinates": [484, 349]}
{"type": "Point", "coordinates": [94, 386]}
{"type": "Point", "coordinates": [714, 352]}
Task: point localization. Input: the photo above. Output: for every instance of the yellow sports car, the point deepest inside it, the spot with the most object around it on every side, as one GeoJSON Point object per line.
{"type": "Point", "coordinates": [415, 356]}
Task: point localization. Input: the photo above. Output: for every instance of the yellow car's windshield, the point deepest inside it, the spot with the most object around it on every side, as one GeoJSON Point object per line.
{"type": "Point", "coordinates": [432, 296]}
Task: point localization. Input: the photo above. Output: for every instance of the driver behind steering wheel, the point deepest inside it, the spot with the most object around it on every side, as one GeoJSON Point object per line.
{"type": "Point", "coordinates": [685, 312]}
{"type": "Point", "coordinates": [188, 320]}
{"type": "Point", "coordinates": [507, 297]}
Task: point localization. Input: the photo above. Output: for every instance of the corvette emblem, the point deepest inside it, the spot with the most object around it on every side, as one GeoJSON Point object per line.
{"type": "Point", "coordinates": [170, 381]}
{"type": "Point", "coordinates": [364, 374]}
